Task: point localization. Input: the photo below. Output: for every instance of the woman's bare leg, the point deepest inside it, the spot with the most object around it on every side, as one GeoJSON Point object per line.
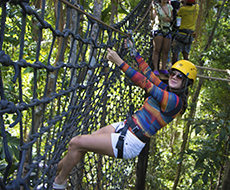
{"type": "Point", "coordinates": [99, 141]}
{"type": "Point", "coordinates": [158, 44]}
{"type": "Point", "coordinates": [154, 45]}
{"type": "Point", "coordinates": [165, 51]}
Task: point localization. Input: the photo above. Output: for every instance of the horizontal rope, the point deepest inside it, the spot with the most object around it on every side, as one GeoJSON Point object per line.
{"type": "Point", "coordinates": [213, 69]}
{"type": "Point", "coordinates": [213, 78]}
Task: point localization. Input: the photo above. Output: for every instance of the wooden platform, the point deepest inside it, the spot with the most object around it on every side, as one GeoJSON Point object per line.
{"type": "Point", "coordinates": [163, 77]}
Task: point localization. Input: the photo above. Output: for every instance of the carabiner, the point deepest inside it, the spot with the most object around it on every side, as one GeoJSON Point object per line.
{"type": "Point", "coordinates": [132, 49]}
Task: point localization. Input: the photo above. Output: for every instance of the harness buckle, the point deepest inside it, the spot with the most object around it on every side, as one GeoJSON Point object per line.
{"type": "Point", "coordinates": [121, 137]}
{"type": "Point", "coordinates": [135, 129]}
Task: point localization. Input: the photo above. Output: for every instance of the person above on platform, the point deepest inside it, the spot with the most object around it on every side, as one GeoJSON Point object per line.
{"type": "Point", "coordinates": [183, 40]}
{"type": "Point", "coordinates": [162, 36]}
{"type": "Point", "coordinates": [174, 24]}
{"type": "Point", "coordinates": [127, 138]}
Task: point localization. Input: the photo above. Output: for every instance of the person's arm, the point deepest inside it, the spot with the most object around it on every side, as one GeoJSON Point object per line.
{"type": "Point", "coordinates": [167, 18]}
{"type": "Point", "coordinates": [147, 71]}
{"type": "Point", "coordinates": [180, 11]}
{"type": "Point", "coordinates": [168, 101]}
{"type": "Point", "coordinates": [114, 57]}
{"type": "Point", "coordinates": [135, 76]}
{"type": "Point", "coordinates": [153, 13]}
{"type": "Point", "coordinates": [143, 66]}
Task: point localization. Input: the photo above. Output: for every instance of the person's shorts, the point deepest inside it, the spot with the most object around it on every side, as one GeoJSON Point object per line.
{"type": "Point", "coordinates": [160, 33]}
{"type": "Point", "coordinates": [169, 35]}
{"type": "Point", "coordinates": [182, 43]}
{"type": "Point", "coordinates": [132, 145]}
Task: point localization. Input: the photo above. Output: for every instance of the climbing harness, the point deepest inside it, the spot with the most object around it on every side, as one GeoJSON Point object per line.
{"type": "Point", "coordinates": [185, 36]}
{"type": "Point", "coordinates": [123, 131]}
{"type": "Point", "coordinates": [162, 31]}
{"type": "Point", "coordinates": [135, 129]}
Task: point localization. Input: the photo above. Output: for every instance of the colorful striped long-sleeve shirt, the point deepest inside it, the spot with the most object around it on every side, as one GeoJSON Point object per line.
{"type": "Point", "coordinates": [150, 117]}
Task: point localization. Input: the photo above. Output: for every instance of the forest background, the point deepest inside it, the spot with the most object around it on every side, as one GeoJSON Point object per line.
{"type": "Point", "coordinates": [193, 151]}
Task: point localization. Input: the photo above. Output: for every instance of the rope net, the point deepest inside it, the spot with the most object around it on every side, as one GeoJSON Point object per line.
{"type": "Point", "coordinates": [63, 86]}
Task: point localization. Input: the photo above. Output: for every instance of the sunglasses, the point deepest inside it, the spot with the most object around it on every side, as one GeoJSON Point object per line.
{"type": "Point", "coordinates": [178, 75]}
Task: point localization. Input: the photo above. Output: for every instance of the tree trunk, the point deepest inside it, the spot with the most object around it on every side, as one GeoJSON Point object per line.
{"type": "Point", "coordinates": [226, 180]}
{"type": "Point", "coordinates": [98, 4]}
{"type": "Point", "coordinates": [113, 11]}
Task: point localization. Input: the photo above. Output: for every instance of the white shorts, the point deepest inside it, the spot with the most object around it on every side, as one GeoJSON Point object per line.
{"type": "Point", "coordinates": [132, 145]}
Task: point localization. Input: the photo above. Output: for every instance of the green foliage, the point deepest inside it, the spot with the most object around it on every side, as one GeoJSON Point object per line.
{"type": "Point", "coordinates": [211, 134]}
{"type": "Point", "coordinates": [13, 144]}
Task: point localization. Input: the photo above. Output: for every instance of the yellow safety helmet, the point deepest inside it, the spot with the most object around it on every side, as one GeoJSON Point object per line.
{"type": "Point", "coordinates": [187, 68]}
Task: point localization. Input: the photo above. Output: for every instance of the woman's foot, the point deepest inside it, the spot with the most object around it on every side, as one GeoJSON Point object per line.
{"type": "Point", "coordinates": [156, 73]}
{"type": "Point", "coordinates": [165, 72]}
{"type": "Point", "coordinates": [59, 187]}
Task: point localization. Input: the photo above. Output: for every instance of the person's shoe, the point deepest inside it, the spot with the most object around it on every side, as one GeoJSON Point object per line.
{"type": "Point", "coordinates": [60, 187]}
{"type": "Point", "coordinates": [156, 73]}
{"type": "Point", "coordinates": [165, 72]}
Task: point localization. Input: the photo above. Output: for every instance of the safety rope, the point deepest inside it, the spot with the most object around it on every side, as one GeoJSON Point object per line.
{"type": "Point", "coordinates": [213, 78]}
{"type": "Point", "coordinates": [225, 74]}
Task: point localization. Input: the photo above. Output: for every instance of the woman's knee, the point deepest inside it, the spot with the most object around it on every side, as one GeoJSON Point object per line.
{"type": "Point", "coordinates": [75, 142]}
{"type": "Point", "coordinates": [165, 51]}
{"type": "Point", "coordinates": [157, 51]}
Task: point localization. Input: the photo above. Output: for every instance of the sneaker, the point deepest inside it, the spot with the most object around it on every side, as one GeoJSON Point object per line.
{"type": "Point", "coordinates": [165, 72]}
{"type": "Point", "coordinates": [60, 187]}
{"type": "Point", "coordinates": [156, 73]}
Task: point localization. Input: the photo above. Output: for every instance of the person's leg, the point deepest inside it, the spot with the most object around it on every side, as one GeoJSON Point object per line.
{"type": "Point", "coordinates": [165, 51]}
{"type": "Point", "coordinates": [185, 51]}
{"type": "Point", "coordinates": [158, 44]}
{"type": "Point", "coordinates": [176, 49]}
{"type": "Point", "coordinates": [102, 130]}
{"type": "Point", "coordinates": [154, 45]}
{"type": "Point", "coordinates": [185, 55]}
{"type": "Point", "coordinates": [175, 58]}
{"type": "Point", "coordinates": [99, 141]}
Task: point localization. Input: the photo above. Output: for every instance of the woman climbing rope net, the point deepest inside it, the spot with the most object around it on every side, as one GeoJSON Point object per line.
{"type": "Point", "coordinates": [126, 139]}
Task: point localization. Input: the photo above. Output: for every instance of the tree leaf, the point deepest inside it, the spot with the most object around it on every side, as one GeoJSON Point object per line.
{"type": "Point", "coordinates": [196, 178]}
{"type": "Point", "coordinates": [222, 134]}
{"type": "Point", "coordinates": [198, 130]}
